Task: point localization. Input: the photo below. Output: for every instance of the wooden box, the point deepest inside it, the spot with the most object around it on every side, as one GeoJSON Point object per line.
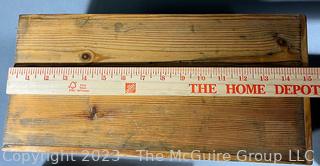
{"type": "Point", "coordinates": [212, 125]}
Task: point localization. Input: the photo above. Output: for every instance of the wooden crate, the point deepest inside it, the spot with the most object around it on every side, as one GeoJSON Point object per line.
{"type": "Point", "coordinates": [160, 124]}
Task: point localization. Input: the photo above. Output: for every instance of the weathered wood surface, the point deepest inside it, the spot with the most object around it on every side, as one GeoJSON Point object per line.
{"type": "Point", "coordinates": [265, 125]}
{"type": "Point", "coordinates": [160, 38]}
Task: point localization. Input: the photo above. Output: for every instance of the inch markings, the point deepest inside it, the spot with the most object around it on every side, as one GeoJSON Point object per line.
{"type": "Point", "coordinates": [165, 81]}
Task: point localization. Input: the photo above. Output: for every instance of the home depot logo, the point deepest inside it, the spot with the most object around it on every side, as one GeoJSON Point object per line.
{"type": "Point", "coordinates": [130, 87]}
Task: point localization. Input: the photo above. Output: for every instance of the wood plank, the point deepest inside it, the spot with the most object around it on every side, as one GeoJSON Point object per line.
{"type": "Point", "coordinates": [159, 124]}
{"type": "Point", "coordinates": [159, 38]}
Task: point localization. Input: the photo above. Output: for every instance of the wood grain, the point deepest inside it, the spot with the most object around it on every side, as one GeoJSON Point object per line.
{"type": "Point", "coordinates": [160, 124]}
{"type": "Point", "coordinates": [159, 38]}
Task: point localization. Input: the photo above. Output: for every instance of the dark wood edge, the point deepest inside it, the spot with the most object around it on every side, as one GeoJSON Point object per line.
{"type": "Point", "coordinates": [307, 108]}
{"type": "Point", "coordinates": [253, 16]}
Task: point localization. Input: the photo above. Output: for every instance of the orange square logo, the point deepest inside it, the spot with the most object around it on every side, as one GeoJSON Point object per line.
{"type": "Point", "coordinates": [130, 88]}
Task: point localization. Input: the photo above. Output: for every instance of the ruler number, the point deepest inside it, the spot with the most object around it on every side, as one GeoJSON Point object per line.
{"type": "Point", "coordinates": [243, 78]}
{"type": "Point", "coordinates": [285, 78]}
{"type": "Point", "coordinates": [142, 77]}
{"type": "Point", "coordinates": [65, 77]}
{"type": "Point", "coordinates": [307, 78]}
{"type": "Point", "coordinates": [264, 78]}
{"type": "Point", "coordinates": [221, 78]}
{"type": "Point", "coordinates": [123, 77]}
{"type": "Point", "coordinates": [84, 77]}
{"type": "Point", "coordinates": [162, 77]}
{"type": "Point", "coordinates": [45, 77]}
{"type": "Point", "coordinates": [27, 77]}
{"type": "Point", "coordinates": [103, 77]}
{"type": "Point", "coordinates": [201, 78]}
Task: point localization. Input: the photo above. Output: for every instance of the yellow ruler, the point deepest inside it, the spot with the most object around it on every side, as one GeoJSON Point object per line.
{"type": "Point", "coordinates": [165, 81]}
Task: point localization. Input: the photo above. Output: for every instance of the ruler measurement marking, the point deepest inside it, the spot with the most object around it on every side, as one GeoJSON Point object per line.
{"type": "Point", "coordinates": [302, 79]}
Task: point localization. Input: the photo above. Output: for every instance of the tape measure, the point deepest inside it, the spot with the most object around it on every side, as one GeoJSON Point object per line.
{"type": "Point", "coordinates": [165, 81]}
